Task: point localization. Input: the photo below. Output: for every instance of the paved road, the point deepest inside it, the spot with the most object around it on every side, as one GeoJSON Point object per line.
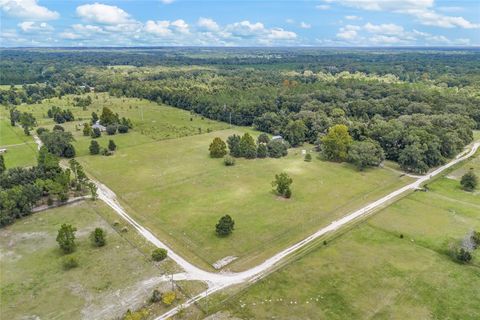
{"type": "Point", "coordinates": [218, 281]}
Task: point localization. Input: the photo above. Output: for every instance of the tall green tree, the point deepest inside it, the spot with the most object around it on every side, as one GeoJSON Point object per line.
{"type": "Point", "coordinates": [335, 144]}
{"type": "Point", "coordinates": [365, 154]}
{"type": "Point", "coordinates": [66, 238]}
{"type": "Point", "coordinates": [94, 147]}
{"type": "Point", "coordinates": [295, 132]}
{"type": "Point", "coordinates": [282, 184]}
{"type": "Point", "coordinates": [218, 148]}
{"type": "Point", "coordinates": [233, 142]}
{"type": "Point", "coordinates": [225, 226]}
{"type": "Point", "coordinates": [248, 148]}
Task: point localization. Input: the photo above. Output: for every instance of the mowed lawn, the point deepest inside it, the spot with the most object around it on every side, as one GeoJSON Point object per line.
{"type": "Point", "coordinates": [107, 282]}
{"type": "Point", "coordinates": [21, 149]}
{"type": "Point", "coordinates": [369, 272]}
{"type": "Point", "coordinates": [176, 190]}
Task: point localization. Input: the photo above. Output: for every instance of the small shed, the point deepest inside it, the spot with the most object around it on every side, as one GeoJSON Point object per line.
{"type": "Point", "coordinates": [99, 126]}
{"type": "Point", "coordinates": [277, 138]}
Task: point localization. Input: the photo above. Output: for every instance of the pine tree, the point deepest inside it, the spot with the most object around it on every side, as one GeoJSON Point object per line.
{"type": "Point", "coordinates": [247, 146]}
{"type": "Point", "coordinates": [218, 148]}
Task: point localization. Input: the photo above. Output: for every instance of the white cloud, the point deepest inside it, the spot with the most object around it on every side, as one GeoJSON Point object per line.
{"type": "Point", "coordinates": [353, 18]}
{"type": "Point", "coordinates": [388, 28]}
{"type": "Point", "coordinates": [32, 26]}
{"type": "Point", "coordinates": [322, 7]}
{"type": "Point", "coordinates": [290, 21]}
{"type": "Point", "coordinates": [349, 32]}
{"type": "Point", "coordinates": [181, 26]}
{"type": "Point", "coordinates": [280, 34]}
{"type": "Point", "coordinates": [102, 13]}
{"type": "Point", "coordinates": [421, 9]}
{"type": "Point", "coordinates": [69, 35]}
{"type": "Point", "coordinates": [208, 24]}
{"type": "Point", "coordinates": [305, 25]}
{"type": "Point", "coordinates": [27, 9]}
{"type": "Point", "coordinates": [159, 28]}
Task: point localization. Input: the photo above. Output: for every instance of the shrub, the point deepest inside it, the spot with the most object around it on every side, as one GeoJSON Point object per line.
{"type": "Point", "coordinates": [263, 138]}
{"type": "Point", "coordinates": [469, 181]}
{"type": "Point", "coordinates": [41, 130]}
{"type": "Point", "coordinates": [262, 151]}
{"type": "Point", "coordinates": [168, 298]}
{"type": "Point", "coordinates": [122, 128]}
{"type": "Point", "coordinates": [156, 296]}
{"type": "Point", "coordinates": [217, 148]}
{"type": "Point", "coordinates": [463, 255]}
{"type": "Point", "coordinates": [159, 254]}
{"type": "Point", "coordinates": [94, 147]}
{"type": "Point", "coordinates": [229, 161]}
{"type": "Point", "coordinates": [96, 133]}
{"type": "Point", "coordinates": [111, 145]}
{"type": "Point", "coordinates": [282, 184]}
{"type": "Point", "coordinates": [70, 263]}
{"type": "Point", "coordinates": [476, 239]}
{"type": "Point", "coordinates": [69, 151]}
{"type": "Point", "coordinates": [277, 148]}
{"type": "Point", "coordinates": [111, 129]}
{"type": "Point", "coordinates": [224, 226]}
{"type": "Point", "coordinates": [58, 127]}
{"type": "Point", "coordinates": [98, 237]}
{"type": "Point", "coordinates": [308, 157]}
{"type": "Point", "coordinates": [66, 238]}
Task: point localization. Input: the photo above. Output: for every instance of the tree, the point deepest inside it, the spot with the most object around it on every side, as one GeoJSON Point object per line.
{"type": "Point", "coordinates": [111, 145]}
{"type": "Point", "coordinates": [159, 254]}
{"type": "Point", "coordinates": [27, 121]}
{"type": "Point", "coordinates": [79, 177]}
{"type": "Point", "coordinates": [217, 148]}
{"type": "Point", "coordinates": [111, 129]}
{"type": "Point", "coordinates": [282, 184]}
{"type": "Point", "coordinates": [463, 255]}
{"type": "Point", "coordinates": [87, 129]}
{"type": "Point", "coordinates": [69, 151]}
{"type": "Point", "coordinates": [94, 147]}
{"type": "Point", "coordinates": [225, 226]}
{"type": "Point", "coordinates": [263, 138]}
{"type": "Point", "coordinates": [122, 128]}
{"type": "Point", "coordinates": [308, 157]}
{"type": "Point", "coordinates": [294, 132]}
{"type": "Point", "coordinates": [98, 237]}
{"type": "Point", "coordinates": [335, 144]}
{"type": "Point", "coordinates": [58, 127]}
{"type": "Point", "coordinates": [108, 117]}
{"type": "Point", "coordinates": [365, 154]}
{"type": "Point", "coordinates": [469, 181]}
{"type": "Point", "coordinates": [233, 142]}
{"type": "Point", "coordinates": [262, 150]}
{"type": "Point", "coordinates": [2, 164]}
{"type": "Point", "coordinates": [96, 133]}
{"type": "Point", "coordinates": [58, 143]}
{"type": "Point", "coordinates": [411, 158]}
{"type": "Point", "coordinates": [94, 117]}
{"type": "Point", "coordinates": [277, 148]}
{"type": "Point", "coordinates": [229, 160]}
{"type": "Point", "coordinates": [93, 190]}
{"type": "Point", "coordinates": [66, 238]}
{"type": "Point", "coordinates": [247, 146]}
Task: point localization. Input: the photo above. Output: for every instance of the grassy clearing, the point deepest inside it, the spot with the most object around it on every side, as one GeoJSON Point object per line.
{"type": "Point", "coordinates": [371, 273]}
{"type": "Point", "coordinates": [21, 149]}
{"type": "Point", "coordinates": [177, 191]}
{"type": "Point", "coordinates": [107, 281]}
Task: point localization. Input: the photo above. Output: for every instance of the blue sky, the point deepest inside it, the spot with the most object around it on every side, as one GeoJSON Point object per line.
{"type": "Point", "coordinates": [240, 23]}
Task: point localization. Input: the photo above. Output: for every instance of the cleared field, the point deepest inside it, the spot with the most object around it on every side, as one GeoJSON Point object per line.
{"type": "Point", "coordinates": [175, 189]}
{"type": "Point", "coordinates": [370, 272]}
{"type": "Point", "coordinates": [107, 282]}
{"type": "Point", "coordinates": [21, 149]}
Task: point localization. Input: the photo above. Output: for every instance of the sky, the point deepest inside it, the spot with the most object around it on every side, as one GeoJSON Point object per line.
{"type": "Point", "coordinates": [328, 23]}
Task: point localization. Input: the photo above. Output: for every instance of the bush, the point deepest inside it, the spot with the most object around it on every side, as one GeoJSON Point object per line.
{"type": "Point", "coordinates": [277, 148]}
{"type": "Point", "coordinates": [229, 161]}
{"type": "Point", "coordinates": [224, 226]}
{"type": "Point", "coordinates": [159, 254]}
{"type": "Point", "coordinates": [469, 181]}
{"type": "Point", "coordinates": [262, 151]}
{"type": "Point", "coordinates": [96, 133]}
{"type": "Point", "coordinates": [156, 296]}
{"type": "Point", "coordinates": [98, 237]}
{"type": "Point", "coordinates": [69, 151]}
{"type": "Point", "coordinates": [111, 129]}
{"type": "Point", "coordinates": [70, 263]}
{"type": "Point", "coordinates": [58, 127]}
{"type": "Point", "coordinates": [122, 128]}
{"type": "Point", "coordinates": [217, 148]}
{"type": "Point", "coordinates": [94, 147]}
{"type": "Point", "coordinates": [66, 238]}
{"type": "Point", "coordinates": [282, 184]}
{"type": "Point", "coordinates": [308, 157]}
{"type": "Point", "coordinates": [463, 255]}
{"type": "Point", "coordinates": [112, 146]}
{"type": "Point", "coordinates": [168, 298]}
{"type": "Point", "coordinates": [263, 138]}
{"type": "Point", "coordinates": [41, 130]}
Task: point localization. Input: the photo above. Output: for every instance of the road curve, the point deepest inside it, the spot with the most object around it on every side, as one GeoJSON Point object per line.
{"type": "Point", "coordinates": [218, 281]}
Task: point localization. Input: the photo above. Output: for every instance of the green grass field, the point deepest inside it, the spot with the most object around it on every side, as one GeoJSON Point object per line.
{"type": "Point", "coordinates": [369, 272]}
{"type": "Point", "coordinates": [107, 281]}
{"type": "Point", "coordinates": [21, 149]}
{"type": "Point", "coordinates": [174, 188]}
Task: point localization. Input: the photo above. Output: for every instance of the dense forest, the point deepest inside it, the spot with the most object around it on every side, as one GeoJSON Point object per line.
{"type": "Point", "coordinates": [419, 106]}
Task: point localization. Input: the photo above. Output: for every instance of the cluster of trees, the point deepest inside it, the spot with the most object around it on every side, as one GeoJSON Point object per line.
{"type": "Point", "coordinates": [26, 120]}
{"type": "Point", "coordinates": [59, 115]}
{"type": "Point", "coordinates": [95, 148]}
{"type": "Point", "coordinates": [66, 242]}
{"type": "Point", "coordinates": [246, 147]}
{"type": "Point", "coordinates": [58, 142]}
{"type": "Point", "coordinates": [21, 189]}
{"type": "Point", "coordinates": [82, 101]}
{"type": "Point", "coordinates": [111, 121]}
